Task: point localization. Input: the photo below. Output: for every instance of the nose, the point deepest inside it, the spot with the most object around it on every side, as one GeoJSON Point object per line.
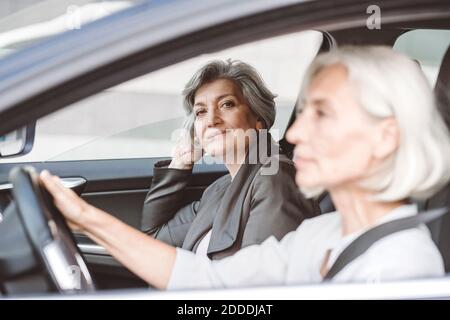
{"type": "Point", "coordinates": [213, 117]}
{"type": "Point", "coordinates": [298, 132]}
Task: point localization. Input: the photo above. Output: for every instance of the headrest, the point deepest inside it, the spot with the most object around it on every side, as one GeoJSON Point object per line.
{"type": "Point", "coordinates": [442, 88]}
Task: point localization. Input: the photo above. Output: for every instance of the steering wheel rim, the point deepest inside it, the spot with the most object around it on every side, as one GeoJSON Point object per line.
{"type": "Point", "coordinates": [49, 234]}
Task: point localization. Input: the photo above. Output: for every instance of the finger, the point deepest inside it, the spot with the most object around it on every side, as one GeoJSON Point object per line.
{"type": "Point", "coordinates": [186, 149]}
{"type": "Point", "coordinates": [65, 199]}
{"type": "Point", "coordinates": [49, 183]}
{"type": "Point", "coordinates": [73, 226]}
{"type": "Point", "coordinates": [55, 186]}
{"type": "Point", "coordinates": [67, 191]}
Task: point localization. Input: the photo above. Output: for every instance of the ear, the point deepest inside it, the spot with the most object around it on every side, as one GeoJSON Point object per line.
{"type": "Point", "coordinates": [387, 138]}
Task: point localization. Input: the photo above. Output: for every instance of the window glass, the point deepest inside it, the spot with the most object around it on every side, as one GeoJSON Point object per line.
{"type": "Point", "coordinates": [427, 47]}
{"type": "Point", "coordinates": [137, 118]}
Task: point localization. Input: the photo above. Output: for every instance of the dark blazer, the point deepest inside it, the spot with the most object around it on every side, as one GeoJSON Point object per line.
{"type": "Point", "coordinates": [241, 212]}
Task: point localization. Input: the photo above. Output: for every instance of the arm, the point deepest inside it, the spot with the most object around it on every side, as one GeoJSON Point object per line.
{"type": "Point", "coordinates": [277, 207]}
{"type": "Point", "coordinates": [257, 265]}
{"type": "Point", "coordinates": [148, 258]}
{"type": "Point", "coordinates": [158, 263]}
{"type": "Point", "coordinates": [164, 214]}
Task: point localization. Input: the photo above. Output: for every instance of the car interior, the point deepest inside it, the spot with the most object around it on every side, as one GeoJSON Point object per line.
{"type": "Point", "coordinates": [120, 188]}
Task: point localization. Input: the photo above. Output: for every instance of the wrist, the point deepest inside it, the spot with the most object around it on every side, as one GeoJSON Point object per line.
{"type": "Point", "coordinates": [174, 164]}
{"type": "Point", "coordinates": [92, 219]}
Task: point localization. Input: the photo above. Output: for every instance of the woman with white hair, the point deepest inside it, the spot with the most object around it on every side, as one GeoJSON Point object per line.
{"type": "Point", "coordinates": [369, 133]}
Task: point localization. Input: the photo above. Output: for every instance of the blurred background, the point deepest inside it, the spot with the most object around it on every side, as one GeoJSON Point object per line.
{"type": "Point", "coordinates": [137, 119]}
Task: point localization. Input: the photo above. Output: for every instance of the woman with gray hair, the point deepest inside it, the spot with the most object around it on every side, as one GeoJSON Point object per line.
{"type": "Point", "coordinates": [229, 111]}
{"type": "Point", "coordinates": [373, 140]}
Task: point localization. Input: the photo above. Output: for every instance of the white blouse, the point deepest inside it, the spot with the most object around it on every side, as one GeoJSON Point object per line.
{"type": "Point", "coordinates": [297, 258]}
{"type": "Point", "coordinates": [202, 248]}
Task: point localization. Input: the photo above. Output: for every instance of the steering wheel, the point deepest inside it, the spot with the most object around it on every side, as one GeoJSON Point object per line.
{"type": "Point", "coordinates": [49, 233]}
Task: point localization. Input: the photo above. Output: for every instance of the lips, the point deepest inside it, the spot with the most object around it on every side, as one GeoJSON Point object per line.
{"type": "Point", "coordinates": [301, 160]}
{"type": "Point", "coordinates": [213, 134]}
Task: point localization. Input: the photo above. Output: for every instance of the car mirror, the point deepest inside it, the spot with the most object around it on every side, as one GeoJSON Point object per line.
{"type": "Point", "coordinates": [17, 142]}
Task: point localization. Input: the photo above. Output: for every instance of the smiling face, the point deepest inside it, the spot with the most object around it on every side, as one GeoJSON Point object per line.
{"type": "Point", "coordinates": [337, 142]}
{"type": "Point", "coordinates": [220, 109]}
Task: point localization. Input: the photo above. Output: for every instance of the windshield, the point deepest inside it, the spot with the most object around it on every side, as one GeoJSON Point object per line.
{"type": "Point", "coordinates": [24, 22]}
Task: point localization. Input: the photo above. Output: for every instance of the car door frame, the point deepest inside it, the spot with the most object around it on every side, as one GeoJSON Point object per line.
{"type": "Point", "coordinates": [24, 98]}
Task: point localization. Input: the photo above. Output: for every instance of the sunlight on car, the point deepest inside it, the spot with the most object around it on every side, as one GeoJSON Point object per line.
{"type": "Point", "coordinates": [43, 19]}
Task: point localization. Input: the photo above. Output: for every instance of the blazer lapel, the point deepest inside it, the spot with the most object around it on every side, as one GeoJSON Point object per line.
{"type": "Point", "coordinates": [203, 221]}
{"type": "Point", "coordinates": [227, 221]}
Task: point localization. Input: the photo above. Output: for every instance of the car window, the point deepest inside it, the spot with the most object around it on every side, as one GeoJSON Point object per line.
{"type": "Point", "coordinates": [24, 22]}
{"type": "Point", "coordinates": [137, 118]}
{"type": "Point", "coordinates": [427, 47]}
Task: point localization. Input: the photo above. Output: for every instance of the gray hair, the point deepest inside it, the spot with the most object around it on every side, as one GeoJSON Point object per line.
{"type": "Point", "coordinates": [256, 94]}
{"type": "Point", "coordinates": [390, 84]}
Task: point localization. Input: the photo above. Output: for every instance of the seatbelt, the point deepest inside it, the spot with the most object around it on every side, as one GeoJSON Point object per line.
{"type": "Point", "coordinates": [362, 243]}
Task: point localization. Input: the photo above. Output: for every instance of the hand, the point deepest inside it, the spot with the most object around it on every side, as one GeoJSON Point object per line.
{"type": "Point", "coordinates": [74, 209]}
{"type": "Point", "coordinates": [129, 246]}
{"type": "Point", "coordinates": [185, 154]}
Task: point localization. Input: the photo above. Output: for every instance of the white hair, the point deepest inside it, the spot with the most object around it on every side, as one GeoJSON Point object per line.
{"type": "Point", "coordinates": [390, 84]}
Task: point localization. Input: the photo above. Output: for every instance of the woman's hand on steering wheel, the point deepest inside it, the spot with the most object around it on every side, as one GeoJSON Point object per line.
{"type": "Point", "coordinates": [75, 210]}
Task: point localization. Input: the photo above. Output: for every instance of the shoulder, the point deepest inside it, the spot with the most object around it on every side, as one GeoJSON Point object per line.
{"type": "Point", "coordinates": [274, 184]}
{"type": "Point", "coordinates": [281, 159]}
{"type": "Point", "coordinates": [219, 185]}
{"type": "Point", "coordinates": [409, 253]}
{"type": "Point", "coordinates": [315, 232]}
{"type": "Point", "coordinates": [325, 225]}
{"type": "Point", "coordinates": [277, 169]}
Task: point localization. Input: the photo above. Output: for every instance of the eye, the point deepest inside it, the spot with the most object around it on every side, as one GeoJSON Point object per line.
{"type": "Point", "coordinates": [320, 113]}
{"type": "Point", "coordinates": [301, 106]}
{"type": "Point", "coordinates": [200, 112]}
{"type": "Point", "coordinates": [227, 104]}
